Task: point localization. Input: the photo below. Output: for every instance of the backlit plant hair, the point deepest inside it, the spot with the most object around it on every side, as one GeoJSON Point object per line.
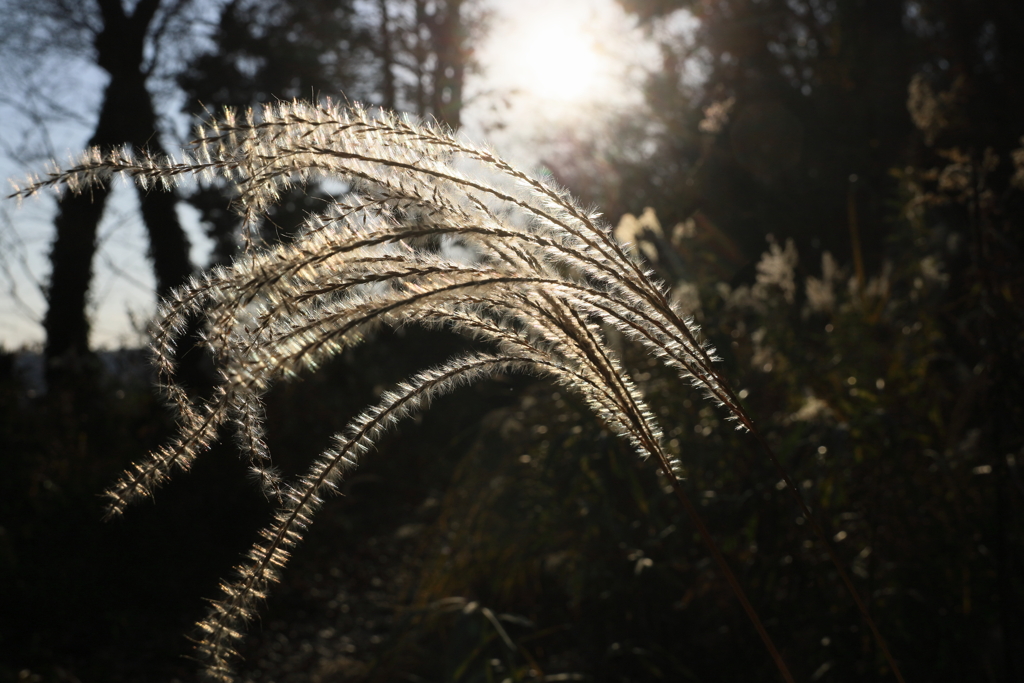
{"type": "Point", "coordinates": [434, 232]}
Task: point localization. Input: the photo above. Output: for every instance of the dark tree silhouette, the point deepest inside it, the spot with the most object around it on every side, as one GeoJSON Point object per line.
{"type": "Point", "coordinates": [127, 117]}
{"type": "Point", "coordinates": [817, 120]}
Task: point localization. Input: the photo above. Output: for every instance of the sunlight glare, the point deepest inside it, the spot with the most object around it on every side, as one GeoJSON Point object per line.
{"type": "Point", "coordinates": [555, 65]}
{"type": "Point", "coordinates": [560, 61]}
{"type": "Point", "coordinates": [558, 53]}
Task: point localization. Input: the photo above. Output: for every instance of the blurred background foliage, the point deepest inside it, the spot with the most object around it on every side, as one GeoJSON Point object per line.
{"type": "Point", "coordinates": [838, 199]}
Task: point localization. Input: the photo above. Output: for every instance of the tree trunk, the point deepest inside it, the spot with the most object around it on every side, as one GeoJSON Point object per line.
{"type": "Point", "coordinates": [387, 57]}
{"type": "Point", "coordinates": [126, 117]}
{"type": "Point", "coordinates": [450, 69]}
{"type": "Point", "coordinates": [65, 322]}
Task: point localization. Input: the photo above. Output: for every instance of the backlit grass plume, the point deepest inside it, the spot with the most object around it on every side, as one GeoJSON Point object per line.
{"type": "Point", "coordinates": [432, 232]}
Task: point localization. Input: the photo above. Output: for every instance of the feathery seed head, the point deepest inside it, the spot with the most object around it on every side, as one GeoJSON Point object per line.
{"type": "Point", "coordinates": [433, 231]}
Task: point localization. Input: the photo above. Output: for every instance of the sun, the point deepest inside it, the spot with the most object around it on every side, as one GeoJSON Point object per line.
{"type": "Point", "coordinates": [551, 51]}
{"type": "Point", "coordinates": [551, 69]}
{"type": "Point", "coordinates": [560, 62]}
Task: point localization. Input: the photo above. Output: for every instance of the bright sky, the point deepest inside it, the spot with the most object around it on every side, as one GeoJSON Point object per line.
{"type": "Point", "coordinates": [546, 63]}
{"type": "Point", "coordinates": [550, 64]}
